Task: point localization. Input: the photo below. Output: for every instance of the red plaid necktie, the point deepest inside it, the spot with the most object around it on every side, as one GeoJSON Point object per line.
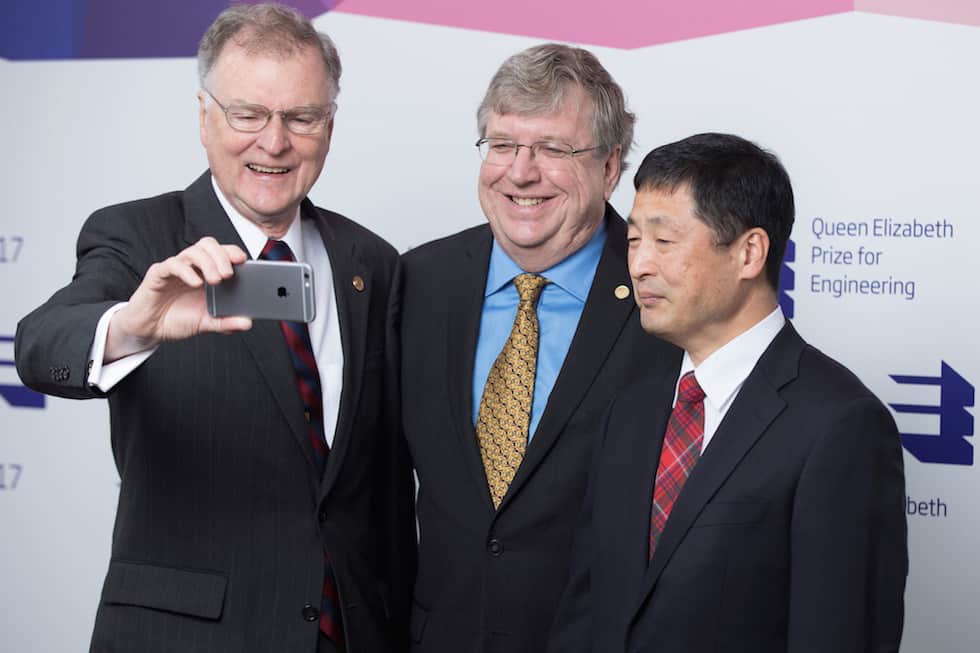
{"type": "Point", "coordinates": [682, 447]}
{"type": "Point", "coordinates": [308, 382]}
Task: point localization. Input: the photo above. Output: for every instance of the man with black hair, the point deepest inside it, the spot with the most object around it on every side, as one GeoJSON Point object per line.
{"type": "Point", "coordinates": [750, 498]}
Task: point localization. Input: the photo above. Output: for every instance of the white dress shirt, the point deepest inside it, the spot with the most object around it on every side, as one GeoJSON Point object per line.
{"type": "Point", "coordinates": [304, 240]}
{"type": "Point", "coordinates": [722, 374]}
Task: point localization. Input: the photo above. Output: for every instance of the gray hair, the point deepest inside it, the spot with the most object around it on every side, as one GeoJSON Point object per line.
{"type": "Point", "coordinates": [266, 28]}
{"type": "Point", "coordinates": [535, 81]}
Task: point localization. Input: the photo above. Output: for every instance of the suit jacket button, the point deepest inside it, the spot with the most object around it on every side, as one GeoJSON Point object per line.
{"type": "Point", "coordinates": [495, 547]}
{"type": "Point", "coordinates": [322, 516]}
{"type": "Point", "coordinates": [310, 613]}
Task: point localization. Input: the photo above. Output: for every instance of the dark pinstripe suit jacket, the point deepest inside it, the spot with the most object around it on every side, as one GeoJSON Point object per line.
{"type": "Point", "coordinates": [221, 519]}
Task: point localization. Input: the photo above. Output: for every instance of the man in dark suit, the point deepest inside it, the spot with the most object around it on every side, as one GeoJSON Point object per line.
{"type": "Point", "coordinates": [261, 502]}
{"type": "Point", "coordinates": [514, 337]}
{"type": "Point", "coordinates": [764, 512]}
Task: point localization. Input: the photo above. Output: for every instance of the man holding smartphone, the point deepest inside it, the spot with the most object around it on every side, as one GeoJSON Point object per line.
{"type": "Point", "coordinates": [262, 497]}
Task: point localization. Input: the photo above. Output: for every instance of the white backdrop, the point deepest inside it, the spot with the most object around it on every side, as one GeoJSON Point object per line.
{"type": "Point", "coordinates": [875, 117]}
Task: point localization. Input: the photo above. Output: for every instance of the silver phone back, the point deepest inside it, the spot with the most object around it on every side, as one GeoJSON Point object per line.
{"type": "Point", "coordinates": [266, 290]}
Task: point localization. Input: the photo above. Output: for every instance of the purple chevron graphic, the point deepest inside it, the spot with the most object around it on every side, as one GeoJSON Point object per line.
{"type": "Point", "coordinates": [98, 29]}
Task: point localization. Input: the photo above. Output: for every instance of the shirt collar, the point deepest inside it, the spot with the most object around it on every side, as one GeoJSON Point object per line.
{"type": "Point", "coordinates": [573, 274]}
{"type": "Point", "coordinates": [722, 373]}
{"type": "Point", "coordinates": [253, 237]}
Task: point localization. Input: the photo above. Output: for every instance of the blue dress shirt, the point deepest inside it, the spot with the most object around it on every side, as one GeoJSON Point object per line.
{"type": "Point", "coordinates": [559, 309]}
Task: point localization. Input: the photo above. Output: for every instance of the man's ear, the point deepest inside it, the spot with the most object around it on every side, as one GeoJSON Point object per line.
{"type": "Point", "coordinates": [328, 131]}
{"type": "Point", "coordinates": [202, 102]}
{"type": "Point", "coordinates": [753, 252]}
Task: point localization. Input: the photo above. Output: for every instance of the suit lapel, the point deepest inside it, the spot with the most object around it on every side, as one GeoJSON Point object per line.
{"type": "Point", "coordinates": [464, 306]}
{"type": "Point", "coordinates": [603, 319]}
{"type": "Point", "coordinates": [352, 312]}
{"type": "Point", "coordinates": [268, 347]}
{"type": "Point", "coordinates": [758, 403]}
{"type": "Point", "coordinates": [206, 217]}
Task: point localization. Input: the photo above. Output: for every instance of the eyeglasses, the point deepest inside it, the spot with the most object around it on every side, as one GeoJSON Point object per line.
{"type": "Point", "coordinates": [253, 118]}
{"type": "Point", "coordinates": [547, 154]}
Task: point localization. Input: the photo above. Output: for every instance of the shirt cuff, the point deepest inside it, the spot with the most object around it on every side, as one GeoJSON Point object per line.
{"type": "Point", "coordinates": [105, 376]}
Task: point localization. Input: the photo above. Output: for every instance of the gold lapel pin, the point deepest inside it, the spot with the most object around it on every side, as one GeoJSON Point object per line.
{"type": "Point", "coordinates": [622, 292]}
{"type": "Point", "coordinates": [358, 283]}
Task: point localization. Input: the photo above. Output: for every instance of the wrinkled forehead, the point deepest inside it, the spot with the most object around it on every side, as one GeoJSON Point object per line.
{"type": "Point", "coordinates": [274, 44]}
{"type": "Point", "coordinates": [300, 71]}
{"type": "Point", "coordinates": [247, 52]}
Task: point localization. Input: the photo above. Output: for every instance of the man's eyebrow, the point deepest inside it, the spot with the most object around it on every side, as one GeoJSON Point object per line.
{"type": "Point", "coordinates": [538, 139]}
{"type": "Point", "coordinates": [652, 219]}
{"type": "Point", "coordinates": [299, 107]}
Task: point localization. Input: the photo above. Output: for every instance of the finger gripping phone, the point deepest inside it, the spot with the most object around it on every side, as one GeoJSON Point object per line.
{"type": "Point", "coordinates": [265, 290]}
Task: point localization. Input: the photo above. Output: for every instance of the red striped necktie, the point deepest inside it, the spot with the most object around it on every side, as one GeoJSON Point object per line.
{"type": "Point", "coordinates": [680, 452]}
{"type": "Point", "coordinates": [308, 383]}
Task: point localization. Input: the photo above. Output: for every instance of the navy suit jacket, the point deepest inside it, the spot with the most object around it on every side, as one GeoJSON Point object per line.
{"type": "Point", "coordinates": [788, 536]}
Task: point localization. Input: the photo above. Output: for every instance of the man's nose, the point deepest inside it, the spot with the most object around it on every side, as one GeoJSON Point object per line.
{"type": "Point", "coordinates": [524, 169]}
{"type": "Point", "coordinates": [642, 261]}
{"type": "Point", "coordinates": [274, 137]}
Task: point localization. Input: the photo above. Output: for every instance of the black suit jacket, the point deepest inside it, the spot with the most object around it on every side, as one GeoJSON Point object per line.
{"type": "Point", "coordinates": [490, 580]}
{"type": "Point", "coordinates": [788, 536]}
{"type": "Point", "coordinates": [222, 520]}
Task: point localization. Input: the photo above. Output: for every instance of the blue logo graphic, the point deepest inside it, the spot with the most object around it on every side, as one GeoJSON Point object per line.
{"type": "Point", "coordinates": [787, 279]}
{"type": "Point", "coordinates": [18, 395]}
{"type": "Point", "coordinates": [950, 447]}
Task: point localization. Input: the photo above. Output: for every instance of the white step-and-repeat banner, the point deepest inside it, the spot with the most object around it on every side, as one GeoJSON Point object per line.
{"type": "Point", "coordinates": [873, 107]}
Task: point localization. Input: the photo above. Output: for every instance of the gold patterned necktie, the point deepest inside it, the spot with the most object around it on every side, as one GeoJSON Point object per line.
{"type": "Point", "coordinates": [505, 409]}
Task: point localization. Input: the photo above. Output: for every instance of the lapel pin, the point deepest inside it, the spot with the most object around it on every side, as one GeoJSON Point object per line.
{"type": "Point", "coordinates": [358, 283]}
{"type": "Point", "coordinates": [622, 292]}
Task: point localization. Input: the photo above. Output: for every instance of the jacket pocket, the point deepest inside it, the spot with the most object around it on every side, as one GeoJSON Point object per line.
{"type": "Point", "coordinates": [184, 591]}
{"type": "Point", "coordinates": [724, 513]}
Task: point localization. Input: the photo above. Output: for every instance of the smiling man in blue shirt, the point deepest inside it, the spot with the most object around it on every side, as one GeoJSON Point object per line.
{"type": "Point", "coordinates": [514, 336]}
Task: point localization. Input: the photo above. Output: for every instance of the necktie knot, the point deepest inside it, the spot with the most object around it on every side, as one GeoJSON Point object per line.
{"type": "Point", "coordinates": [689, 391]}
{"type": "Point", "coordinates": [276, 250]}
{"type": "Point", "coordinates": [529, 286]}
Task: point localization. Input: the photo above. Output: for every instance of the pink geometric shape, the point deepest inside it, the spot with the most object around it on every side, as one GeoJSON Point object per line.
{"type": "Point", "coordinates": [964, 12]}
{"type": "Point", "coordinates": [616, 23]}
